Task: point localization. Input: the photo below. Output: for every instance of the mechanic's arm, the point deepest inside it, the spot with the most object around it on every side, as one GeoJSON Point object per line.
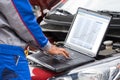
{"type": "Point", "coordinates": [22, 20]}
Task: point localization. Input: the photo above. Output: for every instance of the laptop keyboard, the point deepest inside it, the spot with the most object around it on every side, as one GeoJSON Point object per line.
{"type": "Point", "coordinates": [48, 57]}
{"type": "Point", "coordinates": [73, 54]}
{"type": "Point", "coordinates": [59, 58]}
{"type": "Point", "coordinates": [45, 58]}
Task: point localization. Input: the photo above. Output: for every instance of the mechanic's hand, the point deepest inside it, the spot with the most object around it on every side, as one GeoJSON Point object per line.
{"type": "Point", "coordinates": [54, 50]}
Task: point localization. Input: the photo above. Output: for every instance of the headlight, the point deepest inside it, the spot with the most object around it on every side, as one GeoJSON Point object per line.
{"type": "Point", "coordinates": [67, 77]}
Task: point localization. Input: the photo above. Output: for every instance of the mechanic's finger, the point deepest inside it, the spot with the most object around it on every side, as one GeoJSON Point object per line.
{"type": "Point", "coordinates": [65, 52]}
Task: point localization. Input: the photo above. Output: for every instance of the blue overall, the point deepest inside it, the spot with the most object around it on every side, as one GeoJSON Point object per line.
{"type": "Point", "coordinates": [16, 65]}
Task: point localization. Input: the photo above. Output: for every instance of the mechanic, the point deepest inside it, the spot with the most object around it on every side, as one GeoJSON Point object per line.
{"type": "Point", "coordinates": [18, 28]}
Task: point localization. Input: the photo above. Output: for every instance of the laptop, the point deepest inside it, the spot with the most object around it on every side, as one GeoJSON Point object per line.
{"type": "Point", "coordinates": [82, 42]}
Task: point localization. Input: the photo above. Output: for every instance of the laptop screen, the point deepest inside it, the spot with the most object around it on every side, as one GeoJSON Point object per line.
{"type": "Point", "coordinates": [87, 32]}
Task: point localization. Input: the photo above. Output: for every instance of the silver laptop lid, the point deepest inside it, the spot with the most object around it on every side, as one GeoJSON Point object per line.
{"type": "Point", "coordinates": [87, 31]}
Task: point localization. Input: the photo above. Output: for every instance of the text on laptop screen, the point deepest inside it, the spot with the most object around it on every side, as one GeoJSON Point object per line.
{"type": "Point", "coordinates": [87, 32]}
